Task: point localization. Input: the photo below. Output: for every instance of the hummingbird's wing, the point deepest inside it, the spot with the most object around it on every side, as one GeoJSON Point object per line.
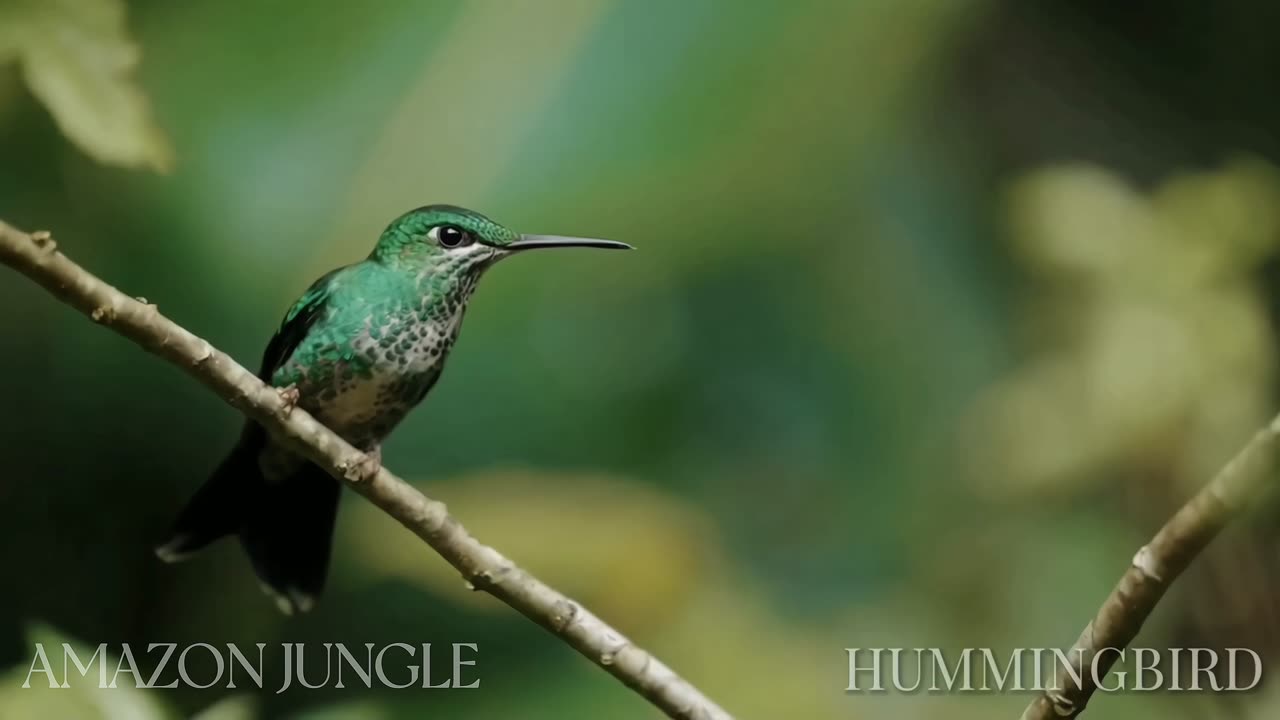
{"type": "Point", "coordinates": [296, 323]}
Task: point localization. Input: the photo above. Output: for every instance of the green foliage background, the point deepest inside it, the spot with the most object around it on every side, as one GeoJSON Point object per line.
{"type": "Point", "coordinates": [939, 307]}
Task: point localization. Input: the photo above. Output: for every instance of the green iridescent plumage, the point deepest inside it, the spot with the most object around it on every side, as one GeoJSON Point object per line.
{"type": "Point", "coordinates": [361, 347]}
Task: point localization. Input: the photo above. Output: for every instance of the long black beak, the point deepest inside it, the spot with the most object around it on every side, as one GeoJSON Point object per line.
{"type": "Point", "coordinates": [533, 242]}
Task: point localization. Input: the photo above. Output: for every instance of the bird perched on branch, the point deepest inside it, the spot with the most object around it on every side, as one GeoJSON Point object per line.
{"type": "Point", "coordinates": [361, 347]}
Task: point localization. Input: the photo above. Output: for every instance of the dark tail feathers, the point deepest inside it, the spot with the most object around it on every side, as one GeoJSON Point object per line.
{"type": "Point", "coordinates": [285, 526]}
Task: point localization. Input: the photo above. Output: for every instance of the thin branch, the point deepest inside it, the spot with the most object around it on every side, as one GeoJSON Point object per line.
{"type": "Point", "coordinates": [1155, 566]}
{"type": "Point", "coordinates": [37, 257]}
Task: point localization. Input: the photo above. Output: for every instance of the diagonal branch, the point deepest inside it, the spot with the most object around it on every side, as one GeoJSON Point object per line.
{"type": "Point", "coordinates": [37, 257]}
{"type": "Point", "coordinates": [1156, 565]}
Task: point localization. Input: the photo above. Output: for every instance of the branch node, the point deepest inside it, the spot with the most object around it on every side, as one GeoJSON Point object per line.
{"type": "Point", "coordinates": [1062, 705]}
{"type": "Point", "coordinates": [103, 314]}
{"type": "Point", "coordinates": [486, 578]}
{"type": "Point", "coordinates": [361, 468]}
{"type": "Point", "coordinates": [206, 353]}
{"type": "Point", "coordinates": [566, 611]}
{"type": "Point", "coordinates": [480, 580]}
{"type": "Point", "coordinates": [618, 644]}
{"type": "Point", "coordinates": [1147, 563]}
{"type": "Point", "coordinates": [43, 239]}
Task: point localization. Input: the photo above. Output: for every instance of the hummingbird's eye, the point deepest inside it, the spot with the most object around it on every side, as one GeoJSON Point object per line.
{"type": "Point", "coordinates": [450, 236]}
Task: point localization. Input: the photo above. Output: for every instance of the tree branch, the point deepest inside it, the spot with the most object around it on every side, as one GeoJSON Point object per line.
{"type": "Point", "coordinates": [37, 257]}
{"type": "Point", "coordinates": [1156, 565]}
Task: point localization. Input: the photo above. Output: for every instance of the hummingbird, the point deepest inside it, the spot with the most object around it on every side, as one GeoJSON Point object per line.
{"type": "Point", "coordinates": [361, 348]}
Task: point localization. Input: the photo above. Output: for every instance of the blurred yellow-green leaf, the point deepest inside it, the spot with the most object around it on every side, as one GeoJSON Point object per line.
{"type": "Point", "coordinates": [623, 548]}
{"type": "Point", "coordinates": [233, 707]}
{"type": "Point", "coordinates": [78, 59]}
{"type": "Point", "coordinates": [81, 698]}
{"type": "Point", "coordinates": [1149, 335]}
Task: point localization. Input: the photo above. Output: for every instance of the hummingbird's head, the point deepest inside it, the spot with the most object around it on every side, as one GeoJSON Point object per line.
{"type": "Point", "coordinates": [445, 240]}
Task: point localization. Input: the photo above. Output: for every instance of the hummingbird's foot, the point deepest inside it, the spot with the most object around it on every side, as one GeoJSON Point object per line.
{"type": "Point", "coordinates": [289, 395]}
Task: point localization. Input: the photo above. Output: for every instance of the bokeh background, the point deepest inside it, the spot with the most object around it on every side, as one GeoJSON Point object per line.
{"type": "Point", "coordinates": [940, 307]}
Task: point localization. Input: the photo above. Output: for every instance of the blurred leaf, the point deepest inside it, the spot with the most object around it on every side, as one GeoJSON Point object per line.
{"type": "Point", "coordinates": [82, 699]}
{"type": "Point", "coordinates": [727, 633]}
{"type": "Point", "coordinates": [1149, 338]}
{"type": "Point", "coordinates": [235, 707]}
{"type": "Point", "coordinates": [624, 549]}
{"type": "Point", "coordinates": [77, 57]}
{"type": "Point", "coordinates": [364, 708]}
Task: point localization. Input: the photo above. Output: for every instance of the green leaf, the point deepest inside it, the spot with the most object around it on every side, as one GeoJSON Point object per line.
{"type": "Point", "coordinates": [78, 59]}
